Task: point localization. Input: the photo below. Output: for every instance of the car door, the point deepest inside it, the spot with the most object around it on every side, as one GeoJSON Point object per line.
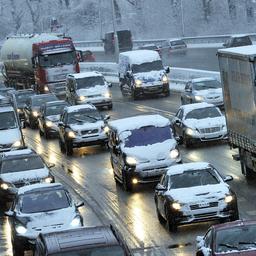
{"type": "Point", "coordinates": [63, 121]}
{"type": "Point", "coordinates": [188, 93]}
{"type": "Point", "coordinates": [161, 194]}
{"type": "Point", "coordinates": [177, 123]}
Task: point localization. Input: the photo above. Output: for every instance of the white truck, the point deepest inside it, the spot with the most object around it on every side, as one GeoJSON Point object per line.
{"type": "Point", "coordinates": [238, 75]}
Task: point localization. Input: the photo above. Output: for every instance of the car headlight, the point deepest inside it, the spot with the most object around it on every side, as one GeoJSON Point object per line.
{"type": "Point", "coordinates": [228, 199]}
{"type": "Point", "coordinates": [106, 129]}
{"type": "Point", "coordinates": [82, 98]}
{"type": "Point", "coordinates": [199, 98]}
{"type": "Point", "coordinates": [20, 229]}
{"type": "Point", "coordinates": [49, 123]}
{"type": "Point", "coordinates": [46, 88]}
{"type": "Point", "coordinates": [138, 83]}
{"type": "Point", "coordinates": [19, 110]}
{"type": "Point", "coordinates": [35, 113]}
{"type": "Point", "coordinates": [176, 206]}
{"type": "Point", "coordinates": [174, 153]}
{"type": "Point", "coordinates": [76, 222]}
{"type": "Point", "coordinates": [107, 95]}
{"type": "Point", "coordinates": [16, 144]}
{"type": "Point", "coordinates": [71, 134]}
{"type": "Point", "coordinates": [5, 186]}
{"type": "Point", "coordinates": [190, 131]}
{"type": "Point", "coordinates": [130, 160]}
{"type": "Point", "coordinates": [165, 79]}
{"type": "Point", "coordinates": [48, 180]}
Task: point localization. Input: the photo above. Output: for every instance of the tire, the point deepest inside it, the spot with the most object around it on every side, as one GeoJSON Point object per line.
{"type": "Point", "coordinates": [17, 250]}
{"type": "Point", "coordinates": [62, 146]}
{"type": "Point", "coordinates": [127, 185]}
{"type": "Point", "coordinates": [171, 224]}
{"type": "Point", "coordinates": [69, 149]}
{"type": "Point", "coordinates": [46, 134]}
{"type": "Point", "coordinates": [134, 95]}
{"type": "Point", "coordinates": [167, 94]}
{"type": "Point", "coordinates": [32, 124]}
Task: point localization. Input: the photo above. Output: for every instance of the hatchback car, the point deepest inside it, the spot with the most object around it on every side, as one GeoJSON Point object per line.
{"type": "Point", "coordinates": [236, 41]}
{"type": "Point", "coordinates": [32, 108]}
{"type": "Point", "coordinates": [81, 126]}
{"type": "Point", "coordinates": [194, 192]}
{"type": "Point", "coordinates": [100, 241]}
{"type": "Point", "coordinates": [206, 89]}
{"type": "Point", "coordinates": [19, 168]}
{"type": "Point", "coordinates": [233, 238]}
{"type": "Point", "coordinates": [49, 117]}
{"type": "Point", "coordinates": [41, 208]}
{"type": "Point", "coordinates": [199, 122]}
{"type": "Point", "coordinates": [141, 149]}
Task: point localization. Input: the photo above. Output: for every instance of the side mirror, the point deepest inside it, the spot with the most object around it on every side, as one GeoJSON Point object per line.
{"type": "Point", "coordinates": [50, 165]}
{"type": "Point", "coordinates": [9, 213]}
{"type": "Point", "coordinates": [179, 140]}
{"type": "Point", "coordinates": [128, 74]}
{"type": "Point", "coordinates": [60, 124]}
{"type": "Point", "coordinates": [177, 121]}
{"type": "Point", "coordinates": [109, 84]}
{"type": "Point", "coordinates": [79, 204]}
{"type": "Point", "coordinates": [160, 187]}
{"type": "Point", "coordinates": [228, 178]}
{"type": "Point", "coordinates": [167, 69]}
{"type": "Point", "coordinates": [107, 117]}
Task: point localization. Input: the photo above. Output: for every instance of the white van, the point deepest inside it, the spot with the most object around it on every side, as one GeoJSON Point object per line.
{"type": "Point", "coordinates": [88, 87]}
{"type": "Point", "coordinates": [141, 72]}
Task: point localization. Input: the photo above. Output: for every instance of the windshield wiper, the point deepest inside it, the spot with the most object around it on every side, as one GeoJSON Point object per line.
{"type": "Point", "coordinates": [250, 242]}
{"type": "Point", "coordinates": [229, 246]}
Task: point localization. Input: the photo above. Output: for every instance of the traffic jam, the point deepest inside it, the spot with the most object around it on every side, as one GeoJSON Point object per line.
{"type": "Point", "coordinates": [46, 98]}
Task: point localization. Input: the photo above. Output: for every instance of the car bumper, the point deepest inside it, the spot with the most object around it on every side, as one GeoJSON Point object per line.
{"type": "Point", "coordinates": [154, 89]}
{"type": "Point", "coordinates": [207, 137]}
{"type": "Point", "coordinates": [97, 101]}
{"type": "Point", "coordinates": [89, 141]}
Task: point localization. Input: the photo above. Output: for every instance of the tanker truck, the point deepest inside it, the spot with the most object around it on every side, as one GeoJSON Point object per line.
{"type": "Point", "coordinates": [41, 62]}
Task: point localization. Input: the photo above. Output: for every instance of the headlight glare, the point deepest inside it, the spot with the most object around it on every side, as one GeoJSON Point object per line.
{"type": "Point", "coordinates": [130, 160]}
{"type": "Point", "coordinates": [20, 229]}
{"type": "Point", "coordinates": [46, 88]}
{"type": "Point", "coordinates": [48, 180]}
{"type": "Point", "coordinates": [16, 144]}
{"type": "Point", "coordinates": [228, 199]}
{"type": "Point", "coordinates": [199, 98]}
{"type": "Point", "coordinates": [107, 95]}
{"type": "Point", "coordinates": [106, 129]}
{"type": "Point", "coordinates": [176, 206]}
{"type": "Point", "coordinates": [4, 186]}
{"type": "Point", "coordinates": [71, 134]}
{"type": "Point", "coordinates": [76, 222]}
{"type": "Point", "coordinates": [190, 131]}
{"type": "Point", "coordinates": [35, 113]}
{"type": "Point", "coordinates": [82, 98]}
{"type": "Point", "coordinates": [138, 83]}
{"type": "Point", "coordinates": [174, 153]}
{"type": "Point", "coordinates": [49, 123]}
{"type": "Point", "coordinates": [165, 79]}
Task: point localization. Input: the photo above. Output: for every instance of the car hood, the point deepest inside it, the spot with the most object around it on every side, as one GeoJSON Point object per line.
{"type": "Point", "coordinates": [205, 123]}
{"type": "Point", "coordinates": [9, 136]}
{"type": "Point", "coordinates": [87, 126]}
{"type": "Point", "coordinates": [96, 90]}
{"type": "Point", "coordinates": [148, 77]}
{"type": "Point", "coordinates": [210, 92]}
{"type": "Point", "coordinates": [25, 176]}
{"type": "Point", "coordinates": [53, 118]}
{"type": "Point", "coordinates": [199, 194]}
{"type": "Point", "coordinates": [157, 151]}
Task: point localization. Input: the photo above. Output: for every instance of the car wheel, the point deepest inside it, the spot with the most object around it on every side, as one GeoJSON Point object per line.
{"type": "Point", "coordinates": [167, 94]}
{"type": "Point", "coordinates": [62, 146]}
{"type": "Point", "coordinates": [134, 95]}
{"type": "Point", "coordinates": [126, 183]}
{"type": "Point", "coordinates": [170, 222]}
{"type": "Point", "coordinates": [69, 148]}
{"type": "Point", "coordinates": [46, 134]}
{"type": "Point", "coordinates": [159, 216]}
{"type": "Point", "coordinates": [17, 250]}
{"type": "Point", "coordinates": [32, 124]}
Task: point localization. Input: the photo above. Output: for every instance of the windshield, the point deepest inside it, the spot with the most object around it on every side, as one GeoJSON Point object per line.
{"type": "Point", "coordinates": [236, 238]}
{"type": "Point", "coordinates": [193, 178]}
{"type": "Point", "coordinates": [97, 251]}
{"type": "Point", "coordinates": [21, 164]}
{"type": "Point", "coordinates": [84, 116]}
{"type": "Point", "coordinates": [205, 85]}
{"type": "Point", "coordinates": [147, 66]}
{"type": "Point", "coordinates": [54, 110]}
{"type": "Point", "coordinates": [7, 120]}
{"type": "Point", "coordinates": [147, 135]}
{"type": "Point", "coordinates": [202, 113]}
{"type": "Point", "coordinates": [23, 97]}
{"type": "Point", "coordinates": [40, 100]}
{"type": "Point", "coordinates": [56, 59]}
{"type": "Point", "coordinates": [88, 82]}
{"type": "Point", "coordinates": [44, 201]}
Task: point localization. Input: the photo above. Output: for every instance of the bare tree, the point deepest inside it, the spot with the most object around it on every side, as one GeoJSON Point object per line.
{"type": "Point", "coordinates": [207, 9]}
{"type": "Point", "coordinates": [232, 9]}
{"type": "Point", "coordinates": [34, 7]}
{"type": "Point", "coordinates": [17, 15]}
{"type": "Point", "coordinates": [117, 12]}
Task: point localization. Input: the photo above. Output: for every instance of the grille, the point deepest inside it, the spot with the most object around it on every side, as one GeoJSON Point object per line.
{"type": "Point", "coordinates": [205, 215]}
{"type": "Point", "coordinates": [197, 206]}
{"type": "Point", "coordinates": [93, 96]}
{"type": "Point", "coordinates": [23, 183]}
{"type": "Point", "coordinates": [89, 132]}
{"type": "Point", "coordinates": [209, 130]}
{"type": "Point", "coordinates": [214, 97]}
{"type": "Point", "coordinates": [5, 146]}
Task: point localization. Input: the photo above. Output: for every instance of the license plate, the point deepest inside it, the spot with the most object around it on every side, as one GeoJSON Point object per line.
{"type": "Point", "coordinates": [203, 205]}
{"type": "Point", "coordinates": [210, 136]}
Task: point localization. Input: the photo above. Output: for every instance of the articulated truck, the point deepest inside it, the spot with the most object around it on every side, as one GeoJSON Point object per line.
{"type": "Point", "coordinates": [238, 75]}
{"type": "Point", "coordinates": [39, 61]}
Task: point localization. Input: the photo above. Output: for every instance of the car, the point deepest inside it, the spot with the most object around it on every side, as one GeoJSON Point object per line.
{"type": "Point", "coordinates": [49, 117]}
{"type": "Point", "coordinates": [33, 105]}
{"type": "Point", "coordinates": [171, 45]}
{"type": "Point", "coordinates": [88, 87]}
{"type": "Point", "coordinates": [141, 149]}
{"type": "Point", "coordinates": [151, 47]}
{"type": "Point", "coordinates": [21, 97]}
{"type": "Point", "coordinates": [40, 208]}
{"type": "Point", "coordinates": [199, 122]}
{"type": "Point", "coordinates": [232, 238]}
{"type": "Point", "coordinates": [100, 241]}
{"type": "Point", "coordinates": [237, 40]}
{"type": "Point", "coordinates": [19, 168]}
{"type": "Point", "coordinates": [81, 126]}
{"type": "Point", "coordinates": [5, 90]}
{"type": "Point", "coordinates": [205, 89]}
{"type": "Point", "coordinates": [142, 73]}
{"type": "Point", "coordinates": [194, 192]}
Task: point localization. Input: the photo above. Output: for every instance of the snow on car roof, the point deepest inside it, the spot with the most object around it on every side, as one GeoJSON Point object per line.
{"type": "Point", "coordinates": [242, 50]}
{"type": "Point", "coordinates": [141, 56]}
{"type": "Point", "coordinates": [19, 152]}
{"type": "Point", "coordinates": [180, 168]}
{"type": "Point", "coordinates": [233, 224]}
{"type": "Point", "coordinates": [79, 107]}
{"type": "Point", "coordinates": [85, 74]}
{"type": "Point", "coordinates": [136, 122]}
{"type": "Point", "coordinates": [38, 186]}
{"type": "Point", "coordinates": [189, 107]}
{"type": "Point", "coordinates": [202, 79]}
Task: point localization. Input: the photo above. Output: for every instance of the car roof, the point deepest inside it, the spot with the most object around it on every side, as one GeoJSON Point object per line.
{"type": "Point", "coordinates": [85, 74]}
{"type": "Point", "coordinates": [248, 51]}
{"type": "Point", "coordinates": [39, 187]}
{"type": "Point", "coordinates": [18, 153]}
{"type": "Point", "coordinates": [233, 224]}
{"type": "Point", "coordinates": [136, 122]}
{"type": "Point", "coordinates": [181, 168]}
{"type": "Point", "coordinates": [76, 108]}
{"type": "Point", "coordinates": [189, 107]}
{"type": "Point", "coordinates": [79, 238]}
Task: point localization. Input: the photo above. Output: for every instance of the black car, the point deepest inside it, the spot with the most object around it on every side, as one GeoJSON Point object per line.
{"type": "Point", "coordinates": [21, 97]}
{"type": "Point", "coordinates": [236, 41]}
{"type": "Point", "coordinates": [49, 117]}
{"type": "Point", "coordinates": [100, 241]}
{"type": "Point", "coordinates": [41, 208]}
{"type": "Point", "coordinates": [81, 126]}
{"type": "Point", "coordinates": [33, 105]}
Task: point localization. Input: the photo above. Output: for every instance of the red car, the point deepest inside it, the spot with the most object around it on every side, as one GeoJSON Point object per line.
{"type": "Point", "coordinates": [229, 239]}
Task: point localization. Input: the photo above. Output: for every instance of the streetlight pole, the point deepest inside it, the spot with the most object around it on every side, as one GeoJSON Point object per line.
{"type": "Point", "coordinates": [114, 28]}
{"type": "Point", "coordinates": [100, 16]}
{"type": "Point", "coordinates": [182, 18]}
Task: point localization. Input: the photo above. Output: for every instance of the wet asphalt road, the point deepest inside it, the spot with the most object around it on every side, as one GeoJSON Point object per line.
{"type": "Point", "coordinates": [88, 175]}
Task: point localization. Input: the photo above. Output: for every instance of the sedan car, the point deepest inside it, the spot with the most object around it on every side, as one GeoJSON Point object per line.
{"type": "Point", "coordinates": [237, 41]}
{"type": "Point", "coordinates": [32, 108]}
{"type": "Point", "coordinates": [199, 122]}
{"type": "Point", "coordinates": [41, 208]}
{"type": "Point", "coordinates": [49, 117]}
{"type": "Point", "coordinates": [19, 168]}
{"type": "Point", "coordinates": [194, 192]}
{"type": "Point", "coordinates": [206, 89]}
{"type": "Point", "coordinates": [229, 239]}
{"type": "Point", "coordinates": [81, 126]}
{"type": "Point", "coordinates": [173, 45]}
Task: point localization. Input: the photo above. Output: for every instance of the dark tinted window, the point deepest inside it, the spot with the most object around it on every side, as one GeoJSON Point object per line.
{"type": "Point", "coordinates": [148, 135]}
{"type": "Point", "coordinates": [55, 109]}
{"type": "Point", "coordinates": [205, 85]}
{"type": "Point", "coordinates": [7, 120]}
{"type": "Point", "coordinates": [202, 113]}
{"type": "Point", "coordinates": [40, 100]}
{"type": "Point", "coordinates": [22, 164]}
{"type": "Point", "coordinates": [88, 82]}
{"type": "Point", "coordinates": [84, 116]}
{"type": "Point", "coordinates": [147, 67]}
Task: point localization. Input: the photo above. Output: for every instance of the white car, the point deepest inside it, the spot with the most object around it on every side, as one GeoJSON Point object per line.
{"type": "Point", "coordinates": [194, 192]}
{"type": "Point", "coordinates": [199, 122]}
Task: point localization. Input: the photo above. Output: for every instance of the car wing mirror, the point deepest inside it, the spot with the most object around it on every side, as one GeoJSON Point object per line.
{"type": "Point", "coordinates": [228, 178]}
{"type": "Point", "coordinates": [177, 121]}
{"type": "Point", "coordinates": [116, 149]}
{"type": "Point", "coordinates": [79, 204]}
{"type": "Point", "coordinates": [167, 69]}
{"type": "Point", "coordinates": [106, 117]}
{"type": "Point", "coordinates": [9, 213]}
{"type": "Point", "coordinates": [50, 165]}
{"type": "Point", "coordinates": [109, 84]}
{"type": "Point", "coordinates": [160, 187]}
